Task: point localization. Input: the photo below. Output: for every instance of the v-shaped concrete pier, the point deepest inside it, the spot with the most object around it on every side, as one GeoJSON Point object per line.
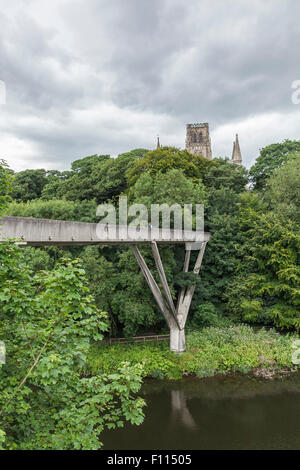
{"type": "Point", "coordinates": [43, 232]}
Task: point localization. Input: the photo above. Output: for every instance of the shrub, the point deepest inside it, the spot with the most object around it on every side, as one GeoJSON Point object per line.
{"type": "Point", "coordinates": [209, 351]}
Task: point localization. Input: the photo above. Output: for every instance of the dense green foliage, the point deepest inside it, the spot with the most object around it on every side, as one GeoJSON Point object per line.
{"type": "Point", "coordinates": [57, 209]}
{"type": "Point", "coordinates": [172, 187]}
{"type": "Point", "coordinates": [266, 288]}
{"type": "Point", "coordinates": [271, 158]}
{"type": "Point", "coordinates": [250, 268]}
{"type": "Point", "coordinates": [5, 185]}
{"type": "Point", "coordinates": [48, 320]}
{"type": "Point", "coordinates": [283, 188]}
{"type": "Point", "coordinates": [130, 305]}
{"type": "Point", "coordinates": [222, 253]}
{"type": "Point", "coordinates": [209, 352]}
{"type": "Point", "coordinates": [96, 177]}
{"type": "Point", "coordinates": [225, 175]}
{"type": "Point", "coordinates": [29, 184]}
{"type": "Point", "coordinates": [169, 158]}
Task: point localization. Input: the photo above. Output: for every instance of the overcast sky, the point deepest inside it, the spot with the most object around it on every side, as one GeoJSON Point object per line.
{"type": "Point", "coordinates": [106, 76]}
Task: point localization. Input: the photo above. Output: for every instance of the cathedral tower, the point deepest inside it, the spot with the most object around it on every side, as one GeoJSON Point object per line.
{"type": "Point", "coordinates": [198, 140]}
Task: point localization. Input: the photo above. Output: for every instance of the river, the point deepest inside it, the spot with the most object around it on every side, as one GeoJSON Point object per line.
{"type": "Point", "coordinates": [224, 412]}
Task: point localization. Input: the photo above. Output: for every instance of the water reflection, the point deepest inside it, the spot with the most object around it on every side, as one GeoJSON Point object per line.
{"type": "Point", "coordinates": [180, 411]}
{"type": "Point", "coordinates": [233, 412]}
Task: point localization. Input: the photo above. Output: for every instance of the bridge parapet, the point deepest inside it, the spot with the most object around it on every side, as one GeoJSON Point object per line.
{"type": "Point", "coordinates": [33, 231]}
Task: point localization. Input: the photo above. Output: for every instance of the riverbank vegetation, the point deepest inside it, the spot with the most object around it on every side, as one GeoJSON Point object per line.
{"type": "Point", "coordinates": [211, 351]}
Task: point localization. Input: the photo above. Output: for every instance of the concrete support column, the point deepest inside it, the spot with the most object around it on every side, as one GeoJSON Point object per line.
{"type": "Point", "coordinates": [175, 318]}
{"type": "Point", "coordinates": [177, 340]}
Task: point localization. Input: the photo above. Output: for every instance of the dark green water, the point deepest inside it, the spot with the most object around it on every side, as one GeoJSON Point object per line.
{"type": "Point", "coordinates": [235, 412]}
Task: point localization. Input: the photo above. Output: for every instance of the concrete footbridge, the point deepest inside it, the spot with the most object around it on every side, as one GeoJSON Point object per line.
{"type": "Point", "coordinates": [46, 232]}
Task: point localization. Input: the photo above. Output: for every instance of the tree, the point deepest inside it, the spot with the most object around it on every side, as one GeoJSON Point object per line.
{"type": "Point", "coordinates": [96, 177]}
{"type": "Point", "coordinates": [221, 255]}
{"type": "Point", "coordinates": [79, 184]}
{"type": "Point", "coordinates": [110, 180]}
{"type": "Point", "coordinates": [126, 297]}
{"type": "Point", "coordinates": [84, 166]}
{"type": "Point", "coordinates": [227, 175]}
{"type": "Point", "coordinates": [171, 187]}
{"type": "Point", "coordinates": [5, 185]}
{"type": "Point", "coordinates": [48, 321]}
{"type": "Point", "coordinates": [271, 158]}
{"type": "Point", "coordinates": [169, 158]}
{"type": "Point", "coordinates": [55, 178]}
{"type": "Point", "coordinates": [266, 285]}
{"type": "Point", "coordinates": [224, 183]}
{"type": "Point", "coordinates": [28, 184]}
{"type": "Point", "coordinates": [283, 188]}
{"type": "Point", "coordinates": [57, 209]}
{"type": "Point", "coordinates": [136, 153]}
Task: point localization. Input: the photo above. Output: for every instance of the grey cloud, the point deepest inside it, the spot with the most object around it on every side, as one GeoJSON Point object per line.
{"type": "Point", "coordinates": [105, 76]}
{"type": "Point", "coordinates": [246, 59]}
{"type": "Point", "coordinates": [27, 62]}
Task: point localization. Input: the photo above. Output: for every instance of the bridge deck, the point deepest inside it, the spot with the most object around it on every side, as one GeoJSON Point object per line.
{"type": "Point", "coordinates": [38, 232]}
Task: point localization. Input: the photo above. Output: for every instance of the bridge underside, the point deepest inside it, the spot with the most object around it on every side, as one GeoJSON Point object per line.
{"type": "Point", "coordinates": [44, 232]}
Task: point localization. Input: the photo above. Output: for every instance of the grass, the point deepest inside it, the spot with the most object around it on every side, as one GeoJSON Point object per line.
{"type": "Point", "coordinates": [209, 351]}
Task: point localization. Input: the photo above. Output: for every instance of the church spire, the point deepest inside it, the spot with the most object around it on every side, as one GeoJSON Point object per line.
{"type": "Point", "coordinates": [158, 143]}
{"type": "Point", "coordinates": [236, 153]}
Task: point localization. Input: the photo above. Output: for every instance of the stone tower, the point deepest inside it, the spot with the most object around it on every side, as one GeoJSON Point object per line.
{"type": "Point", "coordinates": [198, 140]}
{"type": "Point", "coordinates": [236, 153]}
